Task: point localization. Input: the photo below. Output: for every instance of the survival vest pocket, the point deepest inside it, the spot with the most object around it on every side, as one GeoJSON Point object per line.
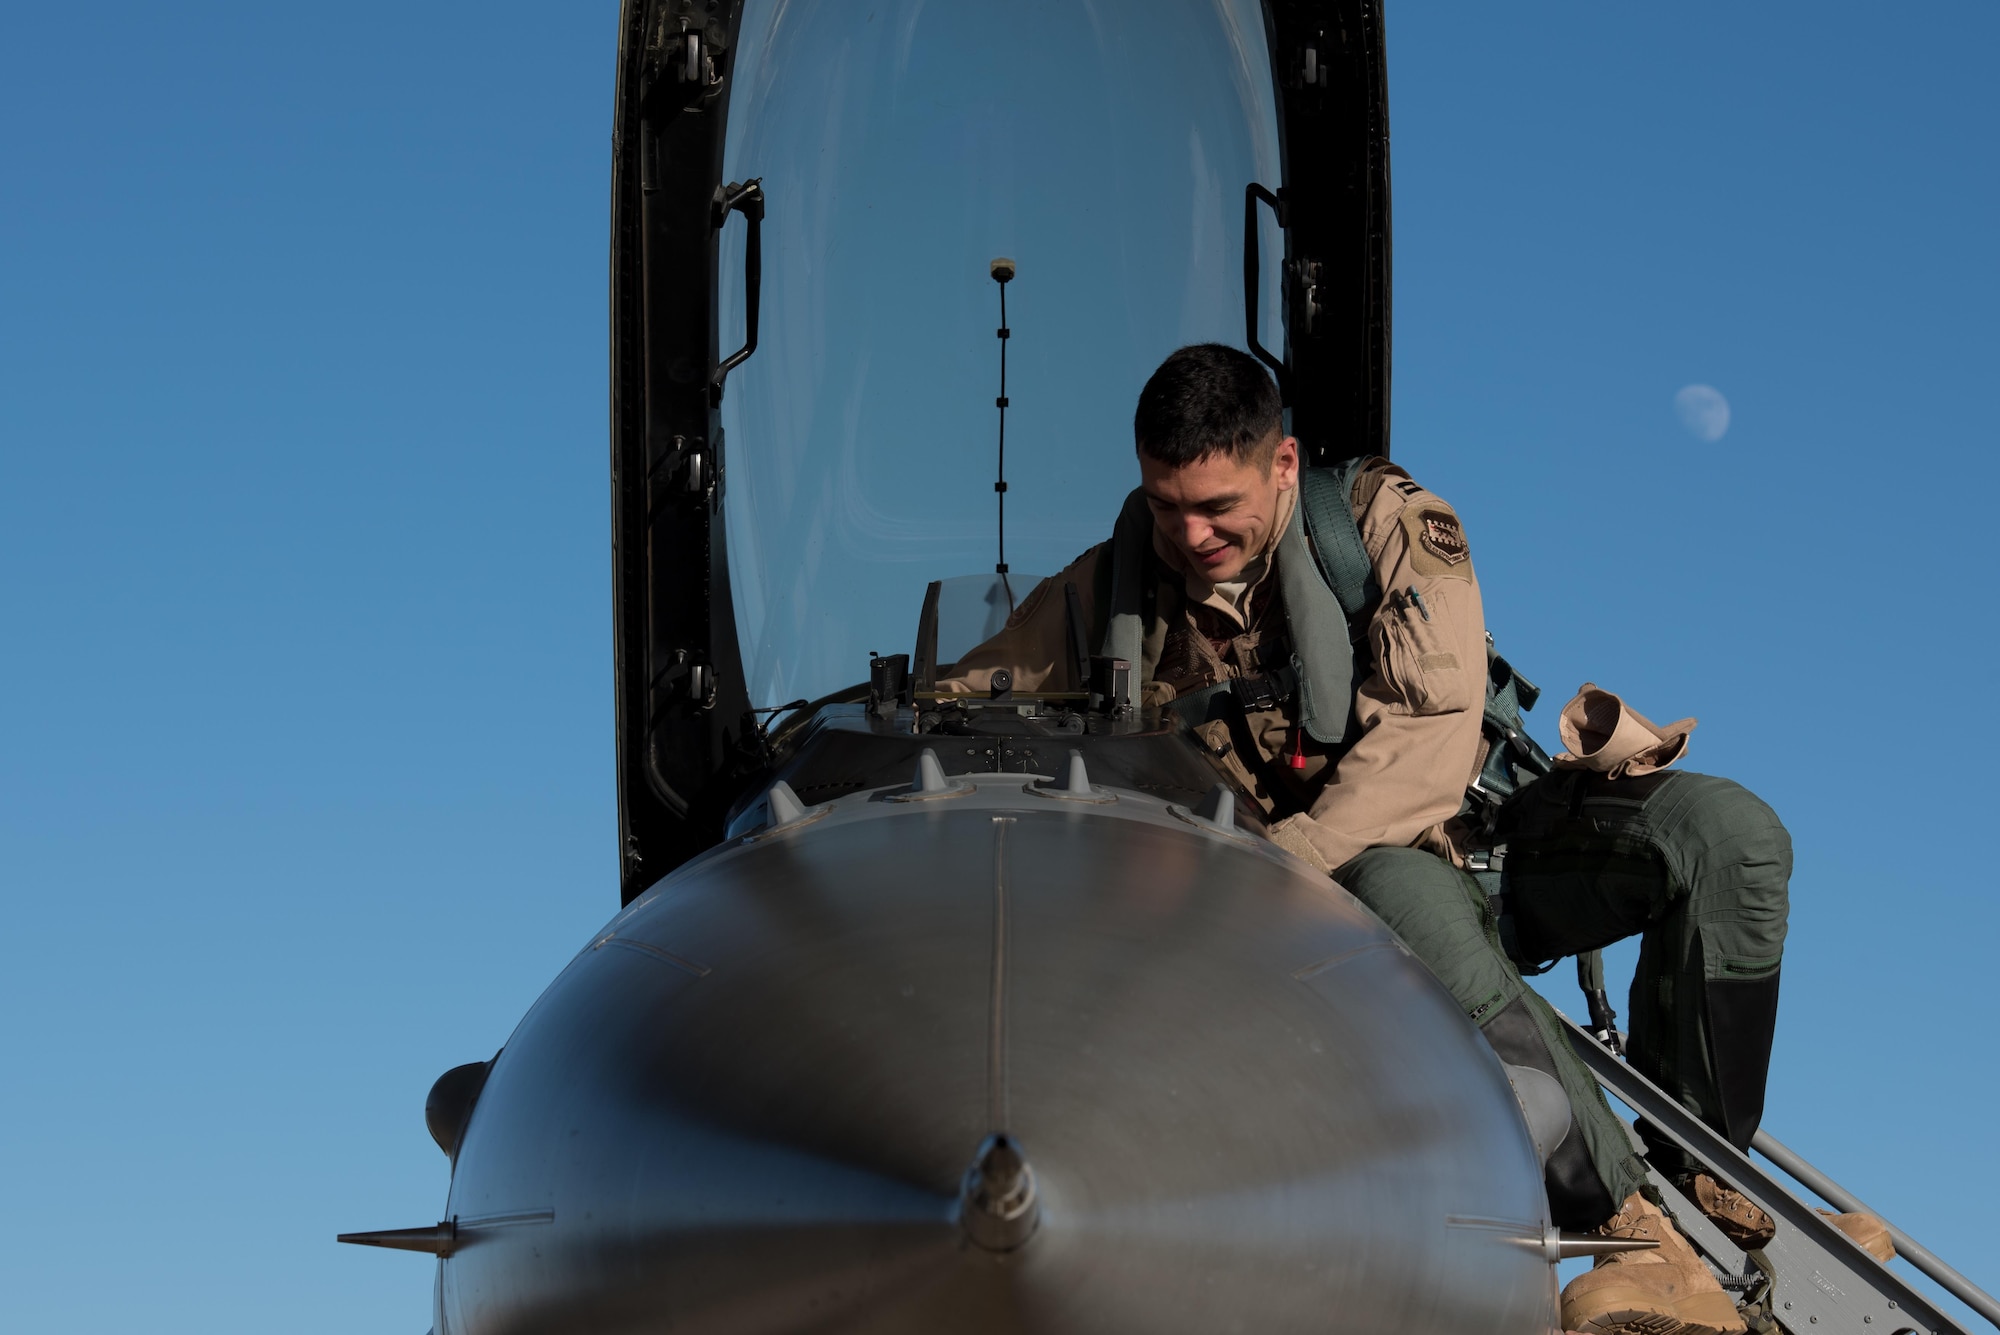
{"type": "Point", "coordinates": [1418, 659]}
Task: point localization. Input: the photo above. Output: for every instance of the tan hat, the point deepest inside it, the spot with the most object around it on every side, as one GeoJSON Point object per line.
{"type": "Point", "coordinates": [1601, 732]}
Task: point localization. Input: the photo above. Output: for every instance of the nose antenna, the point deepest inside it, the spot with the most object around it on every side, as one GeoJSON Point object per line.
{"type": "Point", "coordinates": [1002, 270]}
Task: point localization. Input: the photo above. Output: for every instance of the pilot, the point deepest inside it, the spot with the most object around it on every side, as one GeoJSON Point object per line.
{"type": "Point", "coordinates": [1226, 619]}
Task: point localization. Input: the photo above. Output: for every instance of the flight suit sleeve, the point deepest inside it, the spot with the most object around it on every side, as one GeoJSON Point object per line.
{"type": "Point", "coordinates": [1419, 710]}
{"type": "Point", "coordinates": [1034, 644]}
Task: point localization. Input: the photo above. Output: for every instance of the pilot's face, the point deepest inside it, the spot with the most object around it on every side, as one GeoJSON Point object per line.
{"type": "Point", "coordinates": [1218, 512]}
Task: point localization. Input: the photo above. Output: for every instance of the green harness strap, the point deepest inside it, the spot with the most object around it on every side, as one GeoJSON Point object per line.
{"type": "Point", "coordinates": [1326, 500]}
{"type": "Point", "coordinates": [1123, 605]}
{"type": "Point", "coordinates": [1328, 584]}
{"type": "Point", "coordinates": [1513, 758]}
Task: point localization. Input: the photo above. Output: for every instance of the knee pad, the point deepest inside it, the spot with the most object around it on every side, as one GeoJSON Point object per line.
{"type": "Point", "coordinates": [1578, 1198]}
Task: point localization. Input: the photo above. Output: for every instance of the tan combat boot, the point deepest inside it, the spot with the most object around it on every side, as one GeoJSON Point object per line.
{"type": "Point", "coordinates": [1870, 1233]}
{"type": "Point", "coordinates": [1750, 1228]}
{"type": "Point", "coordinates": [1742, 1222]}
{"type": "Point", "coordinates": [1667, 1291]}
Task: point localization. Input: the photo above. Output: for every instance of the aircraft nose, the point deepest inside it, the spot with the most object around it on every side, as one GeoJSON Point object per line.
{"type": "Point", "coordinates": [1043, 1049]}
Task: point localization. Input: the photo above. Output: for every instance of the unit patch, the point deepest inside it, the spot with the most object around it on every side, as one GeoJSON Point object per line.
{"type": "Point", "coordinates": [1441, 536]}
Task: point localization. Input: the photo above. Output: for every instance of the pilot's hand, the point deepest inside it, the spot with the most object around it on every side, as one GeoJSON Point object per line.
{"type": "Point", "coordinates": [1288, 835]}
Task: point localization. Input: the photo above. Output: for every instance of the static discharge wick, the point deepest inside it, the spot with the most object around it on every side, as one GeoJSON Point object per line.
{"type": "Point", "coordinates": [1002, 270]}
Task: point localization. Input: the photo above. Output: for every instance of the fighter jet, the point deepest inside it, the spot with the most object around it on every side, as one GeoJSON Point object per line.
{"type": "Point", "coordinates": [926, 1012]}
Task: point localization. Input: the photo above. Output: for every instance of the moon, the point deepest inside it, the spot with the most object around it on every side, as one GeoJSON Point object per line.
{"type": "Point", "coordinates": [1703, 411]}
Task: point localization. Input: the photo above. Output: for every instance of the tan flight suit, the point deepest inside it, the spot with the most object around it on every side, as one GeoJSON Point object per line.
{"type": "Point", "coordinates": [1695, 863]}
{"type": "Point", "coordinates": [1417, 712]}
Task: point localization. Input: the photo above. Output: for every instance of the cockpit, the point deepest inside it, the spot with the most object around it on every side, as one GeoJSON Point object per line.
{"type": "Point", "coordinates": [1104, 152]}
{"type": "Point", "coordinates": [839, 435]}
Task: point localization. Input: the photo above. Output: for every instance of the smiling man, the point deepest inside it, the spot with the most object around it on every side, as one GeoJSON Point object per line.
{"type": "Point", "coordinates": [1322, 631]}
{"type": "Point", "coordinates": [1200, 540]}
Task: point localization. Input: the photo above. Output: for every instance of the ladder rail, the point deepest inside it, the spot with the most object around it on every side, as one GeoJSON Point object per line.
{"type": "Point", "coordinates": [1820, 1276]}
{"type": "Point", "coordinates": [1907, 1247]}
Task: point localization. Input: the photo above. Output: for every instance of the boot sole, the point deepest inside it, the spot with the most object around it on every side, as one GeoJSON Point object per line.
{"type": "Point", "coordinates": [1637, 1312]}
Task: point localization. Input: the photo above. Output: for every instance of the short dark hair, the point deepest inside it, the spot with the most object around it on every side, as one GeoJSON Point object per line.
{"type": "Point", "coordinates": [1206, 399]}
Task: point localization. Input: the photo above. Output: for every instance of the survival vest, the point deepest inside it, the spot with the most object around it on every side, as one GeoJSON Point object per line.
{"type": "Point", "coordinates": [1329, 589]}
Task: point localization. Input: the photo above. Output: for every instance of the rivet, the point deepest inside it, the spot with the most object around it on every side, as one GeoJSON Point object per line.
{"type": "Point", "coordinates": [1867, 1320]}
{"type": "Point", "coordinates": [1813, 1319]}
{"type": "Point", "coordinates": [1788, 1307]}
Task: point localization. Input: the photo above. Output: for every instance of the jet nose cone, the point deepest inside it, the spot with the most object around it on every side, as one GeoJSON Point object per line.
{"type": "Point", "coordinates": [997, 1205]}
{"type": "Point", "coordinates": [1006, 1061]}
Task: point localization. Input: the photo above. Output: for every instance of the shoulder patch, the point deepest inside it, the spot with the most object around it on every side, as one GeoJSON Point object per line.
{"type": "Point", "coordinates": [1436, 539]}
{"type": "Point", "coordinates": [1441, 536]}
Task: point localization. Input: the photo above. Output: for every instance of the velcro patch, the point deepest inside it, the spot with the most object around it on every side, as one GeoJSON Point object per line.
{"type": "Point", "coordinates": [1436, 543]}
{"type": "Point", "coordinates": [1441, 536]}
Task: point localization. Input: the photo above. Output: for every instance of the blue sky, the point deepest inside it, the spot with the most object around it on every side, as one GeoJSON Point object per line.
{"type": "Point", "coordinates": [305, 716]}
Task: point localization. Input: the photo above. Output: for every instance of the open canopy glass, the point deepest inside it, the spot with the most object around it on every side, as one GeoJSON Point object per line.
{"type": "Point", "coordinates": [1104, 145]}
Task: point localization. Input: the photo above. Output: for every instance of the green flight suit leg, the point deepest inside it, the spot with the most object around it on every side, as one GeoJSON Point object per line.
{"type": "Point", "coordinates": [1702, 868]}
{"type": "Point", "coordinates": [1441, 914]}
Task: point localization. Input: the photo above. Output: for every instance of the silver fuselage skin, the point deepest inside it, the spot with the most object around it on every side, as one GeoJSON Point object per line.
{"type": "Point", "coordinates": [749, 1104]}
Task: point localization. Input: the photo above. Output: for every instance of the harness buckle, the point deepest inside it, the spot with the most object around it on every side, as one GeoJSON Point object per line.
{"type": "Point", "coordinates": [1257, 692]}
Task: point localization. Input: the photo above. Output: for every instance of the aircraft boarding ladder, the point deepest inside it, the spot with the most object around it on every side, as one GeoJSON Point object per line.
{"type": "Point", "coordinates": [1810, 1279]}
